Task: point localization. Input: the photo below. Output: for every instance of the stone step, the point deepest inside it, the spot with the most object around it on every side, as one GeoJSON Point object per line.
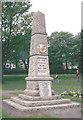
{"type": "Point", "coordinates": [39, 103]}
{"type": "Point", "coordinates": [26, 97]}
{"type": "Point", "coordinates": [31, 92]}
{"type": "Point", "coordinates": [23, 108]}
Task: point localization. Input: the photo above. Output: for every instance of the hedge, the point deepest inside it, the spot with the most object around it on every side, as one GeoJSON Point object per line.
{"type": "Point", "coordinates": [14, 71]}
{"type": "Point", "coordinates": [21, 71]}
{"type": "Point", "coordinates": [70, 71]}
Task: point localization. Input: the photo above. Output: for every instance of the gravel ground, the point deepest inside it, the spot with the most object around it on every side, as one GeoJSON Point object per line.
{"type": "Point", "coordinates": [7, 92]}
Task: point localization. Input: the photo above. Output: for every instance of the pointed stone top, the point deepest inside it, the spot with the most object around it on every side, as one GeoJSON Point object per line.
{"type": "Point", "coordinates": [39, 12]}
{"type": "Point", "coordinates": [38, 23]}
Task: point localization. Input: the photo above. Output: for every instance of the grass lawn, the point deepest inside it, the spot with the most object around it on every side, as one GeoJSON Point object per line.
{"type": "Point", "coordinates": [76, 99]}
{"type": "Point", "coordinates": [4, 97]}
{"type": "Point", "coordinates": [17, 82]}
{"type": "Point", "coordinates": [67, 82]}
{"type": "Point", "coordinates": [6, 115]}
{"type": "Point", "coordinates": [17, 93]}
{"type": "Point", "coordinates": [82, 111]}
{"type": "Point", "coordinates": [14, 82]}
{"type": "Point", "coordinates": [0, 86]}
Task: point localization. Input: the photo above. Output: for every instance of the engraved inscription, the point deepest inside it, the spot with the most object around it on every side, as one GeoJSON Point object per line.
{"type": "Point", "coordinates": [42, 65]}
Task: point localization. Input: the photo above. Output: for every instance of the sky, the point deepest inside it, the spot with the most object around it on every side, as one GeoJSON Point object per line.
{"type": "Point", "coordinates": [60, 15]}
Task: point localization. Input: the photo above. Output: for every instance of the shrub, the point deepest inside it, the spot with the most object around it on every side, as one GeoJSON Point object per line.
{"type": "Point", "coordinates": [14, 71]}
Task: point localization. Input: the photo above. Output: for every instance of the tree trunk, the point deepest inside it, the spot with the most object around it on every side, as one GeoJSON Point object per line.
{"type": "Point", "coordinates": [66, 65]}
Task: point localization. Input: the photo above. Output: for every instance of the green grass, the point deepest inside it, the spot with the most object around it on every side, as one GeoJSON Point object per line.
{"type": "Point", "coordinates": [6, 115]}
{"type": "Point", "coordinates": [82, 111]}
{"type": "Point", "coordinates": [15, 75]}
{"type": "Point", "coordinates": [76, 99]}
{"type": "Point", "coordinates": [0, 97]}
{"type": "Point", "coordinates": [17, 82]}
{"type": "Point", "coordinates": [0, 86]}
{"type": "Point", "coordinates": [4, 97]}
{"type": "Point", "coordinates": [67, 82]}
{"type": "Point", "coordinates": [14, 82]}
{"type": "Point", "coordinates": [16, 93]}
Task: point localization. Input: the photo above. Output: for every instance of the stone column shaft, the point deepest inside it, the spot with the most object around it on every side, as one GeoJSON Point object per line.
{"type": "Point", "coordinates": [38, 61]}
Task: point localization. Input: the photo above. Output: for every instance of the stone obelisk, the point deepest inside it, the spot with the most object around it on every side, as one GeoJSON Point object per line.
{"type": "Point", "coordinates": [39, 79]}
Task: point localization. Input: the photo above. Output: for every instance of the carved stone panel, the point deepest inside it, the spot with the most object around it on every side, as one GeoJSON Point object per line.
{"type": "Point", "coordinates": [45, 88]}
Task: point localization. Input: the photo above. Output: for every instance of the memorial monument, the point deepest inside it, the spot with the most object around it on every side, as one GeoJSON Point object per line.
{"type": "Point", "coordinates": [39, 77]}
{"type": "Point", "coordinates": [38, 94]}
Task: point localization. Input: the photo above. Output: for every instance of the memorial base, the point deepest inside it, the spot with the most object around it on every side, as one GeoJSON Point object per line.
{"type": "Point", "coordinates": [39, 86]}
{"type": "Point", "coordinates": [24, 102]}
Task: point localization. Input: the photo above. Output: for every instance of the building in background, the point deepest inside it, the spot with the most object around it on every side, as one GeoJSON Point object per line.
{"type": "Point", "coordinates": [21, 64]}
{"type": "Point", "coordinates": [10, 65]}
{"type": "Point", "coordinates": [70, 66]}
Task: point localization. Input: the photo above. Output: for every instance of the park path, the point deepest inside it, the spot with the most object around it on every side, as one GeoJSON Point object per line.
{"type": "Point", "coordinates": [9, 93]}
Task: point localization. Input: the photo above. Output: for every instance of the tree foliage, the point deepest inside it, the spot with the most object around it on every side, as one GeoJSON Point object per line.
{"type": "Point", "coordinates": [82, 52]}
{"type": "Point", "coordinates": [64, 48]}
{"type": "Point", "coordinates": [16, 29]}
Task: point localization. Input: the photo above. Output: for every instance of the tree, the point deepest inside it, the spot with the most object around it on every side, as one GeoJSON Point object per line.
{"type": "Point", "coordinates": [82, 52]}
{"type": "Point", "coordinates": [16, 29]}
{"type": "Point", "coordinates": [76, 58]}
{"type": "Point", "coordinates": [62, 49]}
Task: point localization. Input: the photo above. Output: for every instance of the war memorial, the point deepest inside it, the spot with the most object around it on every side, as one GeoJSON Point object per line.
{"type": "Point", "coordinates": [38, 94]}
